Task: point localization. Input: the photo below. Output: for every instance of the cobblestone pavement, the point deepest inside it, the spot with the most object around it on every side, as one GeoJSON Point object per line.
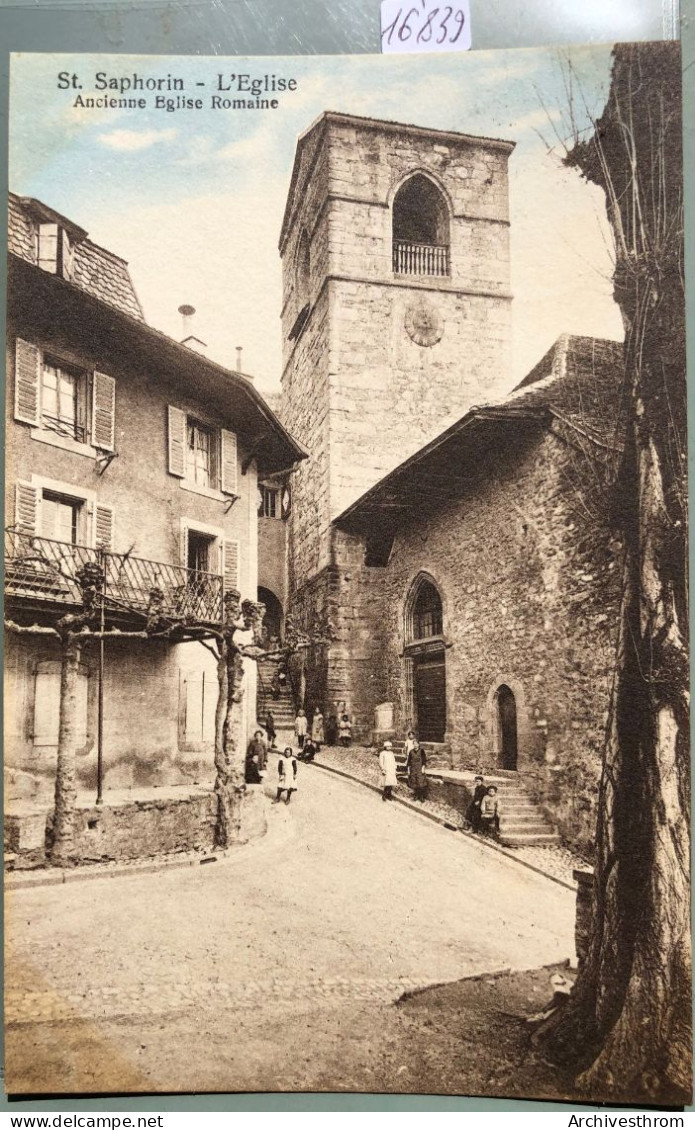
{"type": "Point", "coordinates": [145, 981]}
{"type": "Point", "coordinates": [361, 763]}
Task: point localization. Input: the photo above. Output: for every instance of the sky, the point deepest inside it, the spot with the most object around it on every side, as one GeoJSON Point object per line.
{"type": "Point", "coordinates": [193, 199]}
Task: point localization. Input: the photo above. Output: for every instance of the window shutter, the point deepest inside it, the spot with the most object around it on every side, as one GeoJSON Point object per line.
{"type": "Point", "coordinates": [230, 565]}
{"type": "Point", "coordinates": [27, 376]}
{"type": "Point", "coordinates": [67, 256]}
{"type": "Point", "coordinates": [48, 247]}
{"type": "Point", "coordinates": [103, 411]}
{"type": "Point", "coordinates": [177, 442]}
{"type": "Point", "coordinates": [103, 527]}
{"type": "Point", "coordinates": [184, 546]}
{"type": "Point", "coordinates": [229, 462]}
{"type": "Point", "coordinates": [26, 513]}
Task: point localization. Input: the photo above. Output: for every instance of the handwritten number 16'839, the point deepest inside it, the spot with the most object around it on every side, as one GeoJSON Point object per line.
{"type": "Point", "coordinates": [441, 24]}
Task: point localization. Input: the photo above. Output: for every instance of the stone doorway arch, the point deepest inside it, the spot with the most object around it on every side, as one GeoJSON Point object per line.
{"type": "Point", "coordinates": [507, 727]}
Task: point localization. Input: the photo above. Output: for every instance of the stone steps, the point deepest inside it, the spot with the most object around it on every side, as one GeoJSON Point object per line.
{"type": "Point", "coordinates": [522, 824]}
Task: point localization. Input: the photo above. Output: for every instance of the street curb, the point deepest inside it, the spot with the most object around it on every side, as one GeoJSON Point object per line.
{"type": "Point", "coordinates": [79, 874]}
{"type": "Point", "coordinates": [444, 824]}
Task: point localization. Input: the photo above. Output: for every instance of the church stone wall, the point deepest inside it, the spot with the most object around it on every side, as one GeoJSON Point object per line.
{"type": "Point", "coordinates": [527, 603]}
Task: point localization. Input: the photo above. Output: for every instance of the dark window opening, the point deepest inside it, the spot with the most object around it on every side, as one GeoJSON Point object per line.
{"type": "Point", "coordinates": [427, 613]}
{"type": "Point", "coordinates": [420, 229]}
{"type": "Point", "coordinates": [200, 548]}
{"type": "Point", "coordinates": [269, 503]}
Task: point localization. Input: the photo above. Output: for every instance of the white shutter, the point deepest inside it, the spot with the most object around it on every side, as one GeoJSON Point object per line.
{"type": "Point", "coordinates": [229, 462]}
{"type": "Point", "coordinates": [103, 411]}
{"type": "Point", "coordinates": [49, 235]}
{"type": "Point", "coordinates": [184, 545]}
{"type": "Point", "coordinates": [26, 510]}
{"type": "Point", "coordinates": [68, 256]}
{"type": "Point", "coordinates": [27, 377]}
{"type": "Point", "coordinates": [177, 441]}
{"type": "Point", "coordinates": [230, 565]}
{"type": "Point", "coordinates": [103, 527]}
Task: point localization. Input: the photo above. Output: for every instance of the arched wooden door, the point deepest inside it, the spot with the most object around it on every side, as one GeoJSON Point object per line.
{"type": "Point", "coordinates": [506, 712]}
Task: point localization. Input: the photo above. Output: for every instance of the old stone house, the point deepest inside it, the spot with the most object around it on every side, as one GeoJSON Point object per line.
{"type": "Point", "coordinates": [125, 446]}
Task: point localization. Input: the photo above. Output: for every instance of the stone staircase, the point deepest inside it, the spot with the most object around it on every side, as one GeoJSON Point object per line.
{"type": "Point", "coordinates": [522, 824]}
{"type": "Point", "coordinates": [281, 708]}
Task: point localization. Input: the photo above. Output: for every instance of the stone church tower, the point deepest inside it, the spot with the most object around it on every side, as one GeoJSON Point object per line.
{"type": "Point", "coordinates": [396, 320]}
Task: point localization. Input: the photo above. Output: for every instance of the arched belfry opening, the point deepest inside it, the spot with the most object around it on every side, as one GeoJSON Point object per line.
{"type": "Point", "coordinates": [507, 727]}
{"type": "Point", "coordinates": [420, 228]}
{"type": "Point", "coordinates": [425, 660]}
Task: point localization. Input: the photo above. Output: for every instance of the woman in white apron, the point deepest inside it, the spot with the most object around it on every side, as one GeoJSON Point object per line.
{"type": "Point", "coordinates": [287, 775]}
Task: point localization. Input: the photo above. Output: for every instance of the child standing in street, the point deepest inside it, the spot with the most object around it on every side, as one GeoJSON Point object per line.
{"type": "Point", "coordinates": [490, 813]}
{"type": "Point", "coordinates": [473, 810]}
{"type": "Point", "coordinates": [301, 726]}
{"type": "Point", "coordinates": [287, 775]}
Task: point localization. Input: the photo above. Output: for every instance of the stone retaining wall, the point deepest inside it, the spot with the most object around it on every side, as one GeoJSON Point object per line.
{"type": "Point", "coordinates": [138, 830]}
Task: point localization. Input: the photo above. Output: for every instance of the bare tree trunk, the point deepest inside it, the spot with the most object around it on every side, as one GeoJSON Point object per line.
{"type": "Point", "coordinates": [627, 1026]}
{"type": "Point", "coordinates": [230, 784]}
{"type": "Point", "coordinates": [65, 790]}
{"type": "Point", "coordinates": [629, 1019]}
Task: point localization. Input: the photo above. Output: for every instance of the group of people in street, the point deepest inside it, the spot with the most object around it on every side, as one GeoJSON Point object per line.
{"type": "Point", "coordinates": [483, 813]}
{"type": "Point", "coordinates": [415, 763]}
{"type": "Point", "coordinates": [257, 756]}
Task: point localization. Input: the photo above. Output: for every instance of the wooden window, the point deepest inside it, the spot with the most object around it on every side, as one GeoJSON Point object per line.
{"type": "Point", "coordinates": [55, 252]}
{"type": "Point", "coordinates": [63, 401]}
{"type": "Point", "coordinates": [62, 518]}
{"type": "Point", "coordinates": [200, 552]}
{"type": "Point", "coordinates": [55, 397]}
{"type": "Point", "coordinates": [270, 503]}
{"type": "Point", "coordinates": [201, 462]}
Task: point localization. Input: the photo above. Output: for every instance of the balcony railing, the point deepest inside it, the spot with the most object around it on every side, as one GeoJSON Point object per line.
{"type": "Point", "coordinates": [45, 570]}
{"type": "Point", "coordinates": [420, 258]}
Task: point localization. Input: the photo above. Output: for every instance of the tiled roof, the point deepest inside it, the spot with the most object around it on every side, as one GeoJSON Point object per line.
{"type": "Point", "coordinates": [580, 380]}
{"type": "Point", "coordinates": [103, 275]}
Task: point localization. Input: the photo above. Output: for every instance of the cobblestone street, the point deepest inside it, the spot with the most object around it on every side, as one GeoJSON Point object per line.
{"type": "Point", "coordinates": [275, 967]}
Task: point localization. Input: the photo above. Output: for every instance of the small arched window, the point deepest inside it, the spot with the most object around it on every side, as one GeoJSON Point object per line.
{"type": "Point", "coordinates": [420, 229]}
{"type": "Point", "coordinates": [425, 618]}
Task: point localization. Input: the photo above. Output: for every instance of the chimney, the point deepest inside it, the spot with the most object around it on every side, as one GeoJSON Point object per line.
{"type": "Point", "coordinates": [238, 358]}
{"type": "Point", "coordinates": [189, 339]}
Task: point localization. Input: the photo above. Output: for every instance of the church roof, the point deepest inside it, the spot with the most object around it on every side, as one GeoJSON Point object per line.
{"type": "Point", "coordinates": [578, 384]}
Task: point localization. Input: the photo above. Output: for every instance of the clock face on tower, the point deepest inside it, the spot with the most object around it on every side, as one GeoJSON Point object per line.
{"type": "Point", "coordinates": [423, 322]}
